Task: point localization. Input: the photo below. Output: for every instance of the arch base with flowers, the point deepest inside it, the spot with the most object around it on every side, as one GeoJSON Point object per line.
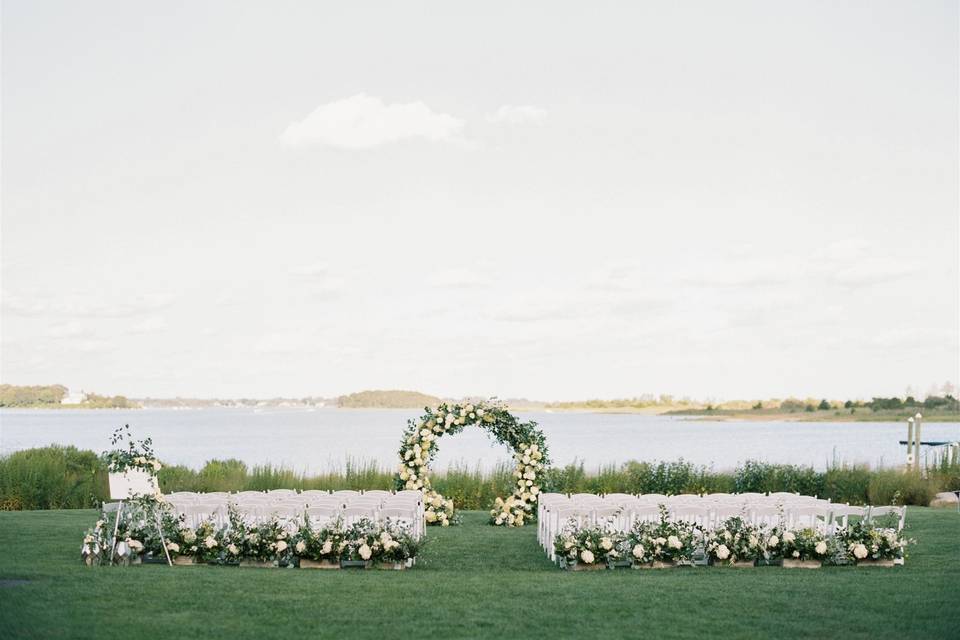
{"type": "Point", "coordinates": [419, 448]}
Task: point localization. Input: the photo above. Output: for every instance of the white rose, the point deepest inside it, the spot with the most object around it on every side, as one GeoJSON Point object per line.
{"type": "Point", "coordinates": [796, 554]}
{"type": "Point", "coordinates": [859, 552]}
{"type": "Point", "coordinates": [210, 542]}
{"type": "Point", "coordinates": [638, 551]}
{"type": "Point", "coordinates": [233, 549]}
{"type": "Point", "coordinates": [281, 546]}
{"type": "Point", "coordinates": [788, 536]}
{"type": "Point", "coordinates": [723, 552]}
{"type": "Point", "coordinates": [606, 543]}
{"type": "Point", "coordinates": [821, 548]}
{"type": "Point", "coordinates": [674, 542]}
{"type": "Point", "coordinates": [774, 541]}
{"type": "Point", "coordinates": [568, 544]}
{"type": "Point", "coordinates": [587, 556]}
{"type": "Point", "coordinates": [327, 547]}
{"type": "Point", "coordinates": [437, 501]}
{"type": "Point", "coordinates": [364, 551]}
{"type": "Point", "coordinates": [661, 541]}
{"type": "Point", "coordinates": [173, 546]}
{"type": "Point", "coordinates": [480, 412]}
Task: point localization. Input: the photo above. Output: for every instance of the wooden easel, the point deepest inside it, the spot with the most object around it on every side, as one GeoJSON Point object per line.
{"type": "Point", "coordinates": [130, 484]}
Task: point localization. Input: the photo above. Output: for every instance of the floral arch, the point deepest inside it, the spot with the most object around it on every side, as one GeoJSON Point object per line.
{"type": "Point", "coordinates": [419, 448]}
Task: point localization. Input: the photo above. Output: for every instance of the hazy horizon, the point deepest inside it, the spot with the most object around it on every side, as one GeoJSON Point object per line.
{"type": "Point", "coordinates": [551, 201]}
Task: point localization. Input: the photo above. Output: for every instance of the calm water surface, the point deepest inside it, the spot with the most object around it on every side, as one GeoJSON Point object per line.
{"type": "Point", "coordinates": [324, 438]}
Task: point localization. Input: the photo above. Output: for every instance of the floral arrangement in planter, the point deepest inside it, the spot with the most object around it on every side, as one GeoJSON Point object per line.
{"type": "Point", "coordinates": [804, 548]}
{"type": "Point", "coordinates": [138, 454]}
{"type": "Point", "coordinates": [206, 540]}
{"type": "Point", "coordinates": [636, 545]}
{"type": "Point", "coordinates": [398, 547]}
{"type": "Point", "coordinates": [318, 548]}
{"type": "Point", "coordinates": [669, 542]}
{"type": "Point", "coordinates": [418, 449]}
{"type": "Point", "coordinates": [266, 544]}
{"type": "Point", "coordinates": [361, 542]}
{"type": "Point", "coordinates": [734, 543]}
{"type": "Point", "coordinates": [586, 548]}
{"type": "Point", "coordinates": [867, 544]}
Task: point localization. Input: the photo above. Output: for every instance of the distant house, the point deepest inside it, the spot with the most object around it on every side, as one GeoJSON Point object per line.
{"type": "Point", "coordinates": [74, 398]}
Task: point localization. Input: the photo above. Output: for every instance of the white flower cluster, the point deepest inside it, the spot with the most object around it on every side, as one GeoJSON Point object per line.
{"type": "Point", "coordinates": [517, 508]}
{"type": "Point", "coordinates": [437, 509]}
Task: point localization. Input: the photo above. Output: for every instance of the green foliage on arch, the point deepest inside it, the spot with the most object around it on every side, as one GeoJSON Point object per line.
{"type": "Point", "coordinates": [419, 447]}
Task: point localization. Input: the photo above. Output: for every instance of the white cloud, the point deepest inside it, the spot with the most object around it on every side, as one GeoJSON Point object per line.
{"type": "Point", "coordinates": [86, 306]}
{"type": "Point", "coordinates": [148, 325]}
{"type": "Point", "coordinates": [364, 122]}
{"type": "Point", "coordinates": [459, 278]}
{"type": "Point", "coordinates": [319, 278]}
{"type": "Point", "coordinates": [871, 273]}
{"type": "Point", "coordinates": [518, 114]}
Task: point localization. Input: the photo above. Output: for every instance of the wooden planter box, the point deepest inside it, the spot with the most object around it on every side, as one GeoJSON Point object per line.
{"type": "Point", "coordinates": [183, 561]}
{"type": "Point", "coordinates": [581, 566]}
{"type": "Point", "coordinates": [306, 563]}
{"type": "Point", "coordinates": [655, 564]}
{"type": "Point", "coordinates": [792, 563]}
{"type": "Point", "coordinates": [869, 562]}
{"type": "Point", "coordinates": [356, 564]}
{"type": "Point", "coordinates": [392, 566]}
{"type": "Point", "coordinates": [259, 564]}
{"type": "Point", "coordinates": [742, 564]}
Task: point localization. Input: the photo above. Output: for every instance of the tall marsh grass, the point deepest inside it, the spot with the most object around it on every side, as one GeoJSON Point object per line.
{"type": "Point", "coordinates": [58, 477]}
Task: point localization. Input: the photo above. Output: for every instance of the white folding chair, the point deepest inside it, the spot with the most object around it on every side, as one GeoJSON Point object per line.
{"type": "Point", "coordinates": [561, 517]}
{"type": "Point", "coordinates": [281, 494]}
{"type": "Point", "coordinates": [876, 512]}
{"type": "Point", "coordinates": [183, 497]}
{"type": "Point", "coordinates": [692, 513]}
{"type": "Point", "coordinates": [608, 515]}
{"type": "Point", "coordinates": [320, 517]}
{"type": "Point", "coordinates": [376, 493]}
{"type": "Point", "coordinates": [802, 517]}
{"type": "Point", "coordinates": [353, 514]}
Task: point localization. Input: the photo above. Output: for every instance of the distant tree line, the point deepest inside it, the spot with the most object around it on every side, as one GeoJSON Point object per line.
{"type": "Point", "coordinates": [51, 396]}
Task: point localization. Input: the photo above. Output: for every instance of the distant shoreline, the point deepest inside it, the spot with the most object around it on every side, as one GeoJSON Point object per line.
{"type": "Point", "coordinates": [717, 415]}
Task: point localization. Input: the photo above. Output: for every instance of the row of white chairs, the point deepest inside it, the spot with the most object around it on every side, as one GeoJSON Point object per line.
{"type": "Point", "coordinates": [320, 507]}
{"type": "Point", "coordinates": [622, 511]}
{"type": "Point", "coordinates": [284, 495]}
{"type": "Point", "coordinates": [292, 516]}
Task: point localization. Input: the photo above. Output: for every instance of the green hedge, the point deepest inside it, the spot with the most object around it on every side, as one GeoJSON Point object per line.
{"type": "Point", "coordinates": [59, 477]}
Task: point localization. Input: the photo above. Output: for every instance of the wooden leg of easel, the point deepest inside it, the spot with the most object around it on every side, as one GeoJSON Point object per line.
{"type": "Point", "coordinates": [116, 527]}
{"type": "Point", "coordinates": [162, 539]}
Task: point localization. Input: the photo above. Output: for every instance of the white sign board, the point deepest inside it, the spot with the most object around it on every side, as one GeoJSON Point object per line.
{"type": "Point", "coordinates": [131, 483]}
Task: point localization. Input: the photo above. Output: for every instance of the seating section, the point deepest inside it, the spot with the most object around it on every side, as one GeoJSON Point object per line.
{"type": "Point", "coordinates": [320, 507]}
{"type": "Point", "coordinates": [621, 511]}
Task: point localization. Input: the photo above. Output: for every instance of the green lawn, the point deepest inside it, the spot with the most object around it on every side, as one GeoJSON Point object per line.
{"type": "Point", "coordinates": [471, 581]}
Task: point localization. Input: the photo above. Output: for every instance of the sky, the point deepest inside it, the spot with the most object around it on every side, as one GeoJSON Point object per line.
{"type": "Point", "coordinates": [549, 200]}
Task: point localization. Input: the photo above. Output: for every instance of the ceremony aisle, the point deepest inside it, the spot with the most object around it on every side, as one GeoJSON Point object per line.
{"type": "Point", "coordinates": [470, 581]}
